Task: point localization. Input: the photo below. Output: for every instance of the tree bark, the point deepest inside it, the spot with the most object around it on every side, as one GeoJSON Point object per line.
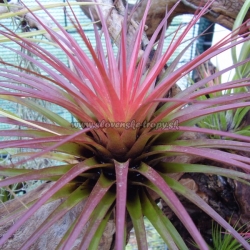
{"type": "Point", "coordinates": [51, 238]}
{"type": "Point", "coordinates": [223, 12]}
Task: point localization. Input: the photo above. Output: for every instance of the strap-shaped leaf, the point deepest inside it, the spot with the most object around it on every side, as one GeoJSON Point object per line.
{"type": "Point", "coordinates": [95, 228]}
{"type": "Point", "coordinates": [161, 223]}
{"type": "Point", "coordinates": [135, 209]}
{"type": "Point", "coordinates": [164, 190]}
{"type": "Point", "coordinates": [72, 200]}
{"type": "Point", "coordinates": [100, 189]}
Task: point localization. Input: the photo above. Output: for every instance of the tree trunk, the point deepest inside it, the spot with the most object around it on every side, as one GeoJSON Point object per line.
{"type": "Point", "coordinates": [223, 12]}
{"type": "Point", "coordinates": [51, 238]}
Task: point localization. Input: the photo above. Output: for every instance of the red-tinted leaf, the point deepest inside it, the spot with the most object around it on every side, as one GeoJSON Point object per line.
{"type": "Point", "coordinates": [98, 192]}
{"type": "Point", "coordinates": [173, 202]}
{"type": "Point", "coordinates": [71, 174]}
{"type": "Point", "coordinates": [121, 171]}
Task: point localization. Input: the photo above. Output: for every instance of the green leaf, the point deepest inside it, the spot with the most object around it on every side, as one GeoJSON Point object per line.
{"type": "Point", "coordinates": [16, 118]}
{"type": "Point", "coordinates": [237, 23]}
{"type": "Point", "coordinates": [195, 199]}
{"type": "Point", "coordinates": [72, 200]}
{"type": "Point", "coordinates": [19, 210]}
{"type": "Point", "coordinates": [161, 223]}
{"type": "Point", "coordinates": [96, 226]}
{"type": "Point", "coordinates": [222, 121]}
{"type": "Point", "coordinates": [134, 208]}
{"type": "Point", "coordinates": [243, 132]}
{"type": "Point", "coordinates": [100, 189]}
{"type": "Point", "coordinates": [239, 115]}
{"type": "Point", "coordinates": [162, 188]}
{"type": "Point", "coordinates": [173, 167]}
{"type": "Point", "coordinates": [55, 118]}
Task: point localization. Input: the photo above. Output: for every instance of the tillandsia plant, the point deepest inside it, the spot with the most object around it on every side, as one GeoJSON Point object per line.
{"type": "Point", "coordinates": [224, 240]}
{"type": "Point", "coordinates": [229, 120]}
{"type": "Point", "coordinates": [121, 155]}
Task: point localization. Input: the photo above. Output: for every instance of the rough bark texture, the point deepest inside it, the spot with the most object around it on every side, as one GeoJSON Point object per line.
{"type": "Point", "coordinates": [227, 197]}
{"type": "Point", "coordinates": [51, 238]}
{"type": "Point", "coordinates": [223, 12]}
